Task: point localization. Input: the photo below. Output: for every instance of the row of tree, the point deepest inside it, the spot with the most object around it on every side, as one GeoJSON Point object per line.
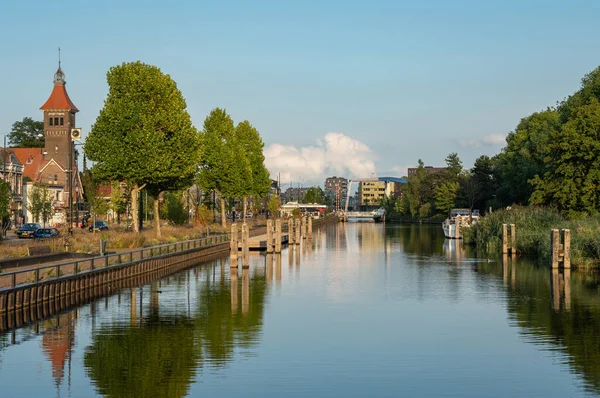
{"type": "Point", "coordinates": [145, 138]}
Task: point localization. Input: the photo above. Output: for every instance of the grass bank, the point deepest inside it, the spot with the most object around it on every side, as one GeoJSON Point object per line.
{"type": "Point", "coordinates": [533, 225]}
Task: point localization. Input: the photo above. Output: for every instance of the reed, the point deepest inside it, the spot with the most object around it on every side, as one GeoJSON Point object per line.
{"type": "Point", "coordinates": [533, 225]}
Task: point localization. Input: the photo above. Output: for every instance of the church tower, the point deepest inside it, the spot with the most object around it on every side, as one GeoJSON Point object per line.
{"type": "Point", "coordinates": [59, 120]}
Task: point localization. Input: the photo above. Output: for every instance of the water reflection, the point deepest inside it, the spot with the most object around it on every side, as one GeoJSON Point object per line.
{"type": "Point", "coordinates": [169, 337]}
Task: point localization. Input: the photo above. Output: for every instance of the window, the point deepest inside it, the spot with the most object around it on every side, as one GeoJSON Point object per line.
{"type": "Point", "coordinates": [55, 179]}
{"type": "Point", "coordinates": [50, 121]}
{"type": "Point", "coordinates": [62, 121]}
{"type": "Point", "coordinates": [56, 121]}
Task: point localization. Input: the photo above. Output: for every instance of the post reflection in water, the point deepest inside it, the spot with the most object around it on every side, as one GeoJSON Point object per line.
{"type": "Point", "coordinates": [269, 266]}
{"type": "Point", "coordinates": [233, 277]}
{"type": "Point", "coordinates": [505, 319]}
{"type": "Point", "coordinates": [290, 256]}
{"type": "Point", "coordinates": [245, 290]}
{"type": "Point", "coordinates": [561, 288]}
{"type": "Point", "coordinates": [278, 267]}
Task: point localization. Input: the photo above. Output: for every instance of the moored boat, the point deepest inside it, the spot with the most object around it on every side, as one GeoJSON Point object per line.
{"type": "Point", "coordinates": [459, 219]}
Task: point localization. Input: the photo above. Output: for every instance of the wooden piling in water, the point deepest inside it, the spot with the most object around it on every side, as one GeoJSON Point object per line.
{"type": "Point", "coordinates": [234, 245]}
{"type": "Point", "coordinates": [269, 236]}
{"type": "Point", "coordinates": [278, 236]}
{"type": "Point", "coordinates": [297, 230]}
{"type": "Point", "coordinates": [561, 252]}
{"type": "Point", "coordinates": [457, 225]}
{"type": "Point", "coordinates": [309, 232]}
{"type": "Point", "coordinates": [303, 228]}
{"type": "Point", "coordinates": [245, 247]}
{"type": "Point", "coordinates": [291, 233]}
{"type": "Point", "coordinates": [509, 239]}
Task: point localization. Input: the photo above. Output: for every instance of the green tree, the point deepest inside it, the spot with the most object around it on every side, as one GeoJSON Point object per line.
{"type": "Point", "coordinates": [274, 204]}
{"type": "Point", "coordinates": [453, 166]}
{"type": "Point", "coordinates": [573, 176]}
{"type": "Point", "coordinates": [91, 188]}
{"type": "Point", "coordinates": [445, 196]}
{"type": "Point", "coordinates": [144, 134]}
{"type": "Point", "coordinates": [39, 203]}
{"type": "Point", "coordinates": [27, 133]}
{"type": "Point", "coordinates": [252, 148]}
{"type": "Point", "coordinates": [314, 195]}
{"type": "Point", "coordinates": [174, 210]}
{"type": "Point", "coordinates": [203, 216]}
{"type": "Point", "coordinates": [118, 204]}
{"type": "Point", "coordinates": [484, 178]}
{"type": "Point", "coordinates": [222, 168]}
{"type": "Point", "coordinates": [523, 156]}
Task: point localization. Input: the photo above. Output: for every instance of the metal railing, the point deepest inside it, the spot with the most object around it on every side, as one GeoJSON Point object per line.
{"type": "Point", "coordinates": [13, 279]}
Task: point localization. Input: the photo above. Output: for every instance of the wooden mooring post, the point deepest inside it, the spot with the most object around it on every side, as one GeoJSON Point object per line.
{"type": "Point", "coordinates": [561, 252]}
{"type": "Point", "coordinates": [245, 247]}
{"type": "Point", "coordinates": [303, 228]}
{"type": "Point", "coordinates": [509, 239]}
{"type": "Point", "coordinates": [278, 236]}
{"type": "Point", "coordinates": [297, 230]}
{"type": "Point", "coordinates": [309, 232]}
{"type": "Point", "coordinates": [269, 236]}
{"type": "Point", "coordinates": [233, 248]}
{"type": "Point", "coordinates": [457, 226]}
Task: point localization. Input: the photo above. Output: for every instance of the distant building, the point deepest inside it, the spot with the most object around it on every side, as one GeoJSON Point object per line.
{"type": "Point", "coordinates": [430, 169]}
{"type": "Point", "coordinates": [372, 191]}
{"type": "Point", "coordinates": [294, 194]}
{"type": "Point", "coordinates": [336, 188]}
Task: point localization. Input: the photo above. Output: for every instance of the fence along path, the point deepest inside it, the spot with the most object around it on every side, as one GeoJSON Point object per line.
{"type": "Point", "coordinates": [33, 286]}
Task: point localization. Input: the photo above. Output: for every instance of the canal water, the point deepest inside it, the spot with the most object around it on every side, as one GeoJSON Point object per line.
{"type": "Point", "coordinates": [365, 310]}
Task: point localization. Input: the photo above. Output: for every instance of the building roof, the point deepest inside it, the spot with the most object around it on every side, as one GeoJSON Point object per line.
{"type": "Point", "coordinates": [59, 99]}
{"type": "Point", "coordinates": [32, 160]}
{"type": "Point", "coordinates": [393, 179]}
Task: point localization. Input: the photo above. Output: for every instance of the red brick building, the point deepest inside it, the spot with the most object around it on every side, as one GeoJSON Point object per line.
{"type": "Point", "coordinates": [52, 165]}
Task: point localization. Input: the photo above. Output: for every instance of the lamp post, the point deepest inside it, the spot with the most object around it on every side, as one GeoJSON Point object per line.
{"type": "Point", "coordinates": [75, 135]}
{"type": "Point", "coordinates": [77, 206]}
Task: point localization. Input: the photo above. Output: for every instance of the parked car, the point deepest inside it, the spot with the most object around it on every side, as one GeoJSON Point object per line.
{"type": "Point", "coordinates": [98, 226]}
{"type": "Point", "coordinates": [249, 215]}
{"type": "Point", "coordinates": [27, 230]}
{"type": "Point", "coordinates": [42, 233]}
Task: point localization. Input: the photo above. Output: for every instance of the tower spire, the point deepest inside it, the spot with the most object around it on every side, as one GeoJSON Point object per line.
{"type": "Point", "coordinates": [59, 76]}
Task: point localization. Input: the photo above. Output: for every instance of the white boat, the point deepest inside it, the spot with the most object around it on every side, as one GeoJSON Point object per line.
{"type": "Point", "coordinates": [459, 219]}
{"type": "Point", "coordinates": [378, 215]}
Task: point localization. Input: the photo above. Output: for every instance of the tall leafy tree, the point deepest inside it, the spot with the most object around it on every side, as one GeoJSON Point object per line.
{"type": "Point", "coordinates": [27, 133]}
{"type": "Point", "coordinates": [453, 166]}
{"type": "Point", "coordinates": [39, 203]}
{"type": "Point", "coordinates": [445, 196]}
{"type": "Point", "coordinates": [573, 176]}
{"type": "Point", "coordinates": [221, 168]}
{"type": "Point", "coordinates": [523, 156]}
{"type": "Point", "coordinates": [144, 134]}
{"type": "Point", "coordinates": [314, 195]}
{"type": "Point", "coordinates": [252, 146]}
{"type": "Point", "coordinates": [91, 187]}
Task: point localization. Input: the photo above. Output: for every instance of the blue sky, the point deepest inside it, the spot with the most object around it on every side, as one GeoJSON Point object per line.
{"type": "Point", "coordinates": [400, 80]}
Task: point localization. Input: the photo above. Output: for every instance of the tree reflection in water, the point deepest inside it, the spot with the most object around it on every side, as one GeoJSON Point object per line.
{"type": "Point", "coordinates": [158, 356]}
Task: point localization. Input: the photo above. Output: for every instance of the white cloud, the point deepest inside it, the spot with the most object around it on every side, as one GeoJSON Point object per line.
{"type": "Point", "coordinates": [336, 154]}
{"type": "Point", "coordinates": [488, 140]}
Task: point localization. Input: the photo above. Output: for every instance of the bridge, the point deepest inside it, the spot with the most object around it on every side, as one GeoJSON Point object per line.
{"type": "Point", "coordinates": [359, 214]}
